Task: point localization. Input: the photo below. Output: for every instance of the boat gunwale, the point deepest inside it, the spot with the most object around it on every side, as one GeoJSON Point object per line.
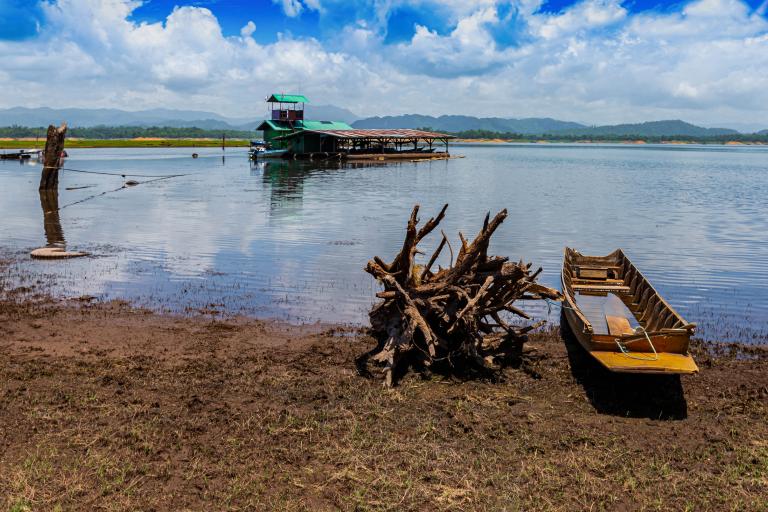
{"type": "Point", "coordinates": [686, 329]}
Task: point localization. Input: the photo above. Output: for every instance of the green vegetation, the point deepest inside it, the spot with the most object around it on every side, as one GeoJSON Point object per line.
{"type": "Point", "coordinates": [165, 136]}
{"type": "Point", "coordinates": [559, 137]}
{"type": "Point", "coordinates": [127, 143]}
{"type": "Point", "coordinates": [127, 132]}
{"type": "Point", "coordinates": [125, 137]}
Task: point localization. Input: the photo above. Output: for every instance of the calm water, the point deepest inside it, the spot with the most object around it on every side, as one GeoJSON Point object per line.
{"type": "Point", "coordinates": [290, 242]}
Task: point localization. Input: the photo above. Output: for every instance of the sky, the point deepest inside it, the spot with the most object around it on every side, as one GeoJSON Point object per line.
{"type": "Point", "coordinates": [592, 61]}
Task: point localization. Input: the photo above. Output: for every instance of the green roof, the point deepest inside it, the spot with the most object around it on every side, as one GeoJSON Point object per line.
{"type": "Point", "coordinates": [280, 126]}
{"type": "Point", "coordinates": [284, 126]}
{"type": "Point", "coordinates": [324, 125]}
{"type": "Point", "coordinates": [287, 98]}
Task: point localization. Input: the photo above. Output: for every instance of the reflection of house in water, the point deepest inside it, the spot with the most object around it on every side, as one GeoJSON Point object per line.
{"type": "Point", "coordinates": [285, 180]}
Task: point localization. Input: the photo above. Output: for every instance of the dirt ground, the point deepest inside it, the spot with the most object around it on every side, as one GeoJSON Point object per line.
{"type": "Point", "coordinates": [106, 407]}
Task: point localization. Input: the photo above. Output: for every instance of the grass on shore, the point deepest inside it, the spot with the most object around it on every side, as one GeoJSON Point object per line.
{"type": "Point", "coordinates": [126, 143]}
{"type": "Point", "coordinates": [109, 408]}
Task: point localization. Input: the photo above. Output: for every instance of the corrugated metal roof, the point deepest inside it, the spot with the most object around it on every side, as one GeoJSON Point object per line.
{"type": "Point", "coordinates": [286, 126]}
{"type": "Point", "coordinates": [287, 98]}
{"type": "Point", "coordinates": [376, 134]}
{"type": "Point", "coordinates": [280, 126]}
{"type": "Point", "coordinates": [323, 125]}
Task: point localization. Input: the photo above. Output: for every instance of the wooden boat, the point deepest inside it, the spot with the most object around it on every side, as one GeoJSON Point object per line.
{"type": "Point", "coordinates": [264, 153]}
{"type": "Point", "coordinates": [620, 319]}
{"type": "Point", "coordinates": [24, 154]}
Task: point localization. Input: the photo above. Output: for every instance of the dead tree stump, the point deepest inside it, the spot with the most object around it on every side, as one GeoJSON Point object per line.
{"type": "Point", "coordinates": [52, 157]}
{"type": "Point", "coordinates": [460, 313]}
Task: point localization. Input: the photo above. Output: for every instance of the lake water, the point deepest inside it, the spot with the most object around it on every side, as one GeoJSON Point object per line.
{"type": "Point", "coordinates": [288, 241]}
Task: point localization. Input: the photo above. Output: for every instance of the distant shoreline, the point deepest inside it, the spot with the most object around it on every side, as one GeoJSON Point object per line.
{"type": "Point", "coordinates": [27, 143]}
{"type": "Point", "coordinates": [638, 142]}
{"type": "Point", "coordinates": [152, 142]}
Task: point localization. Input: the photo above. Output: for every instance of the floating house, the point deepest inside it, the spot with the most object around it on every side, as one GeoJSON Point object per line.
{"type": "Point", "coordinates": [288, 135]}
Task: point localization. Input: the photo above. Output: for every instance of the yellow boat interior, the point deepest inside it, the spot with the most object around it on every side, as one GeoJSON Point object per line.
{"type": "Point", "coordinates": [619, 317]}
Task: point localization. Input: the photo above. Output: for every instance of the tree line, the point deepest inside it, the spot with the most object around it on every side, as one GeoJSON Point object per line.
{"type": "Point", "coordinates": [169, 132]}
{"type": "Point", "coordinates": [555, 137]}
{"type": "Point", "coordinates": [127, 132]}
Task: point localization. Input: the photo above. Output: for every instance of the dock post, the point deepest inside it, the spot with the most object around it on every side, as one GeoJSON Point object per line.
{"type": "Point", "coordinates": [52, 160]}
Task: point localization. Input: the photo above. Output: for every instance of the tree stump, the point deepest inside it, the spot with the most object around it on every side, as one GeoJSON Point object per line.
{"type": "Point", "coordinates": [52, 159]}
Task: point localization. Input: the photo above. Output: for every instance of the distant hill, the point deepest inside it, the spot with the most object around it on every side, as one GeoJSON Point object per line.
{"type": "Point", "coordinates": [529, 126]}
{"type": "Point", "coordinates": [87, 118]}
{"type": "Point", "coordinates": [329, 113]}
{"type": "Point", "coordinates": [540, 126]}
{"type": "Point", "coordinates": [650, 129]}
{"type": "Point", "coordinates": [762, 132]}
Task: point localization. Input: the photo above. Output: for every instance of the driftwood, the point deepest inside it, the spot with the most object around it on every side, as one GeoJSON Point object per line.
{"type": "Point", "coordinates": [458, 314]}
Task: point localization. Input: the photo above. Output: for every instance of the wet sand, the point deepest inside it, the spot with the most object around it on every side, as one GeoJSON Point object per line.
{"type": "Point", "coordinates": [107, 407]}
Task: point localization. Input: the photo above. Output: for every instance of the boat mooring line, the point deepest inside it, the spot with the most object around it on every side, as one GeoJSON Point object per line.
{"type": "Point", "coordinates": [622, 348]}
{"type": "Point", "coordinates": [122, 175]}
{"type": "Point", "coordinates": [118, 189]}
{"type": "Point", "coordinates": [626, 352]}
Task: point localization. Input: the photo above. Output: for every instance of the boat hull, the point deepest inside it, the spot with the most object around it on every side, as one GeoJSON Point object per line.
{"type": "Point", "coordinates": [658, 347]}
{"type": "Point", "coordinates": [270, 153]}
{"type": "Point", "coordinates": [634, 361]}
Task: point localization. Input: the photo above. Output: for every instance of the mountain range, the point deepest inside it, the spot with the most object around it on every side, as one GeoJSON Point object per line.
{"type": "Point", "coordinates": [78, 117]}
{"type": "Point", "coordinates": [541, 126]}
{"type": "Point", "coordinates": [650, 129]}
{"type": "Point", "coordinates": [529, 126]}
{"type": "Point", "coordinates": [87, 117]}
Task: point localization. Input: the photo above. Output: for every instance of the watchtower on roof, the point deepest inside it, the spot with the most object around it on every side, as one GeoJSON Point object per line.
{"type": "Point", "coordinates": [287, 107]}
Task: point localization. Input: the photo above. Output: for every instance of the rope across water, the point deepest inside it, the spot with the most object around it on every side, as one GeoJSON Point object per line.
{"type": "Point", "coordinates": [120, 174]}
{"type": "Point", "coordinates": [155, 177]}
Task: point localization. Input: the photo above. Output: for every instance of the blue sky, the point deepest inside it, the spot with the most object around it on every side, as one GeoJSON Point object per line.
{"type": "Point", "coordinates": [586, 60]}
{"type": "Point", "coordinates": [20, 19]}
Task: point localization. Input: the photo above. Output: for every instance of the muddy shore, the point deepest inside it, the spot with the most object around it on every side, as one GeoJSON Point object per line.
{"type": "Point", "coordinates": [107, 407]}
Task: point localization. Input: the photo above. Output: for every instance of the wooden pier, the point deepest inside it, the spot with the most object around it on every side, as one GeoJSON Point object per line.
{"type": "Point", "coordinates": [352, 144]}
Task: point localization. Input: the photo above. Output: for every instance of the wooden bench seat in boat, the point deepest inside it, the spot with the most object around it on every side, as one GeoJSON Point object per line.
{"type": "Point", "coordinates": [599, 287]}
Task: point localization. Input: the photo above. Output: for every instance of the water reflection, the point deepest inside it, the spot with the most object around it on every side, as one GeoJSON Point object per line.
{"type": "Point", "coordinates": [54, 234]}
{"type": "Point", "coordinates": [289, 239]}
{"type": "Point", "coordinates": [285, 180]}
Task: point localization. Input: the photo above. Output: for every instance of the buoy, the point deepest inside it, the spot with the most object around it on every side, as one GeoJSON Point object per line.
{"type": "Point", "coordinates": [131, 183]}
{"type": "Point", "coordinates": [194, 155]}
{"type": "Point", "coordinates": [53, 253]}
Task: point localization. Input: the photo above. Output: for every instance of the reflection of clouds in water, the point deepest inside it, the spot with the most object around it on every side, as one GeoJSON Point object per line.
{"type": "Point", "coordinates": [292, 240]}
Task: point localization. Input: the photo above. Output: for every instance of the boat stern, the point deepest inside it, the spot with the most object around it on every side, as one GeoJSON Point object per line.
{"type": "Point", "coordinates": [644, 362]}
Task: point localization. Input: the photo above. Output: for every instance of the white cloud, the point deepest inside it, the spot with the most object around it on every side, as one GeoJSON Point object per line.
{"type": "Point", "coordinates": [469, 49]}
{"type": "Point", "coordinates": [248, 29]}
{"type": "Point", "coordinates": [594, 62]}
{"type": "Point", "coordinates": [587, 15]}
{"type": "Point", "coordinates": [293, 8]}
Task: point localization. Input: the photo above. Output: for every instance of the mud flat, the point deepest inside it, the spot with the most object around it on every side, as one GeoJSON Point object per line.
{"type": "Point", "coordinates": [107, 407]}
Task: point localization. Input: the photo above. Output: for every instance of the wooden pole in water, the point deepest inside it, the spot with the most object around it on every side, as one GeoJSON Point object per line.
{"type": "Point", "coordinates": [54, 146]}
{"type": "Point", "coordinates": [223, 141]}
